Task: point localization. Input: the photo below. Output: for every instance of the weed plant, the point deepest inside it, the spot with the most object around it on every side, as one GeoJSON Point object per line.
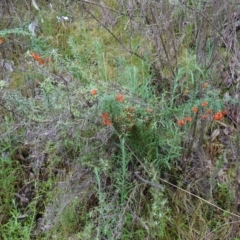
{"type": "Point", "coordinates": [112, 126]}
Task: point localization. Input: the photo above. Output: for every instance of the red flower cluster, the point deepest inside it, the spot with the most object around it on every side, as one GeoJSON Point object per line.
{"type": "Point", "coordinates": [106, 119]}
{"type": "Point", "coordinates": [39, 59]}
{"type": "Point", "coordinates": [120, 97]}
{"type": "Point", "coordinates": [93, 92]}
{"type": "Point", "coordinates": [182, 122]}
{"type": "Point", "coordinates": [204, 104]}
{"type": "Point", "coordinates": [195, 109]}
{"type": "Point", "coordinates": [219, 115]}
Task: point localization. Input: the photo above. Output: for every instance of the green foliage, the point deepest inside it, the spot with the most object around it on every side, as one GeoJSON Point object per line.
{"type": "Point", "coordinates": [8, 178]}
{"type": "Point", "coordinates": [40, 45]}
{"type": "Point", "coordinates": [112, 92]}
{"type": "Point", "coordinates": [15, 229]}
{"type": "Point", "coordinates": [17, 31]}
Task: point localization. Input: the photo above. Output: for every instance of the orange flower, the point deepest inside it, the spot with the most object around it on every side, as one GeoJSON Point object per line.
{"type": "Point", "coordinates": [120, 97]}
{"type": "Point", "coordinates": [204, 117]}
{"type": "Point", "coordinates": [149, 110]}
{"type": "Point", "coordinates": [106, 119]}
{"type": "Point", "coordinates": [1, 40]}
{"type": "Point", "coordinates": [187, 119]}
{"type": "Point", "coordinates": [41, 62]}
{"type": "Point", "coordinates": [218, 116]}
{"type": "Point", "coordinates": [38, 58]}
{"type": "Point", "coordinates": [93, 92]}
{"type": "Point", "coordinates": [204, 104]}
{"type": "Point", "coordinates": [104, 115]}
{"type": "Point", "coordinates": [107, 122]}
{"type": "Point", "coordinates": [180, 122]}
{"type": "Point", "coordinates": [195, 109]}
{"type": "Point", "coordinates": [35, 56]}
